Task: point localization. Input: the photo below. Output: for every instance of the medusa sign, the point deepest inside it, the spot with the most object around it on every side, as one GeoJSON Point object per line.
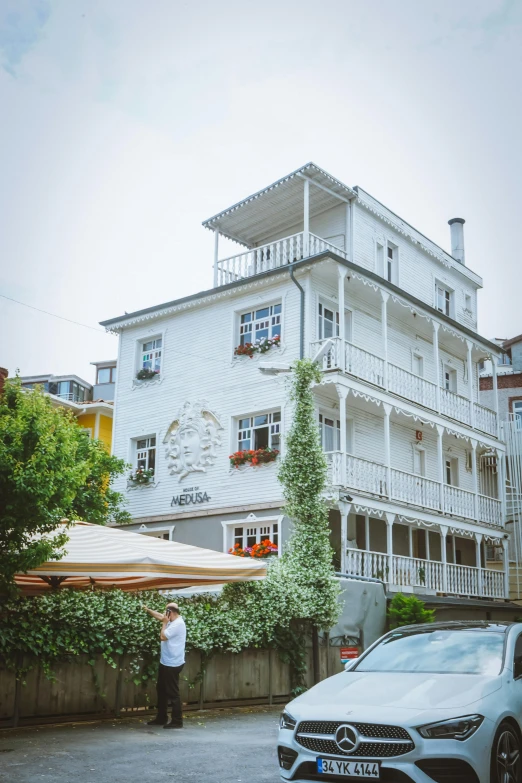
{"type": "Point", "coordinates": [192, 440]}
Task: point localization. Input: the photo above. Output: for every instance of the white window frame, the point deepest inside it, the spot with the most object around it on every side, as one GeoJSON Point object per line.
{"type": "Point", "coordinates": [350, 429]}
{"type": "Point", "coordinates": [516, 409]}
{"type": "Point", "coordinates": [468, 303]}
{"type": "Point", "coordinates": [416, 356]}
{"type": "Point", "coordinates": [159, 350]}
{"type": "Point", "coordinates": [447, 369]}
{"type": "Point", "coordinates": [270, 322]}
{"type": "Point", "coordinates": [391, 264]}
{"type": "Point", "coordinates": [274, 429]}
{"type": "Point", "coordinates": [348, 320]}
{"type": "Point", "coordinates": [87, 431]}
{"type": "Point", "coordinates": [145, 450]}
{"type": "Point", "coordinates": [252, 523]}
{"type": "Point", "coordinates": [379, 257]}
{"type": "Point", "coordinates": [420, 452]}
{"type": "Point", "coordinates": [447, 294]}
{"type": "Point", "coordinates": [165, 533]}
{"type": "Point", "coordinates": [451, 463]}
{"type": "Point", "coordinates": [324, 418]}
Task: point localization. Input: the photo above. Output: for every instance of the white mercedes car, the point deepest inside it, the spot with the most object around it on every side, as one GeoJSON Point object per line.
{"type": "Point", "coordinates": [439, 702]}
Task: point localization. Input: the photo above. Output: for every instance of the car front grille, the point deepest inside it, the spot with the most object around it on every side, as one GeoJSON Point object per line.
{"type": "Point", "coordinates": [319, 737]}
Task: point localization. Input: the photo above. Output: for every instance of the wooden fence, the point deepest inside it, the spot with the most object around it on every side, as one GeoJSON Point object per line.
{"type": "Point", "coordinates": [80, 690]}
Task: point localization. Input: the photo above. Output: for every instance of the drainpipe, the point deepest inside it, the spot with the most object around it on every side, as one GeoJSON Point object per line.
{"type": "Point", "coordinates": [301, 289]}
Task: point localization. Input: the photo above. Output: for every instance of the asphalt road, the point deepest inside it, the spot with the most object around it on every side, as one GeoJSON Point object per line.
{"type": "Point", "coordinates": [221, 746]}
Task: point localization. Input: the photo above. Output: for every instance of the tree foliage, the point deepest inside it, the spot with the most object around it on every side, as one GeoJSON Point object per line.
{"type": "Point", "coordinates": [49, 470]}
{"type": "Point", "coordinates": [408, 610]}
{"type": "Point", "coordinates": [307, 562]}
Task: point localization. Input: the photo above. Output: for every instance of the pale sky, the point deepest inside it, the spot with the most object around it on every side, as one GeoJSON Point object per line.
{"type": "Point", "coordinates": [125, 123]}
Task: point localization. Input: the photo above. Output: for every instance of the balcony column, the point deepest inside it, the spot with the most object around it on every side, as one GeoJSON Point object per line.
{"type": "Point", "coordinates": [390, 518]}
{"type": "Point", "coordinates": [216, 250]}
{"type": "Point", "coordinates": [410, 540]}
{"type": "Point", "coordinates": [306, 219]}
{"type": "Point", "coordinates": [469, 343]}
{"type": "Point", "coordinates": [505, 558]}
{"type": "Point", "coordinates": [474, 474]}
{"type": "Point", "coordinates": [367, 531]}
{"type": "Point", "coordinates": [436, 327]}
{"type": "Point", "coordinates": [440, 462]}
{"type": "Point", "coordinates": [495, 390]}
{"type": "Point", "coordinates": [443, 535]}
{"type": "Point", "coordinates": [501, 484]}
{"type": "Point", "coordinates": [347, 232]}
{"type": "Point", "coordinates": [387, 449]}
{"type": "Point", "coordinates": [342, 391]}
{"type": "Point", "coordinates": [478, 542]}
{"type": "Point", "coordinates": [342, 272]}
{"type": "Point", "coordinates": [344, 510]}
{"type": "Point", "coordinates": [384, 329]}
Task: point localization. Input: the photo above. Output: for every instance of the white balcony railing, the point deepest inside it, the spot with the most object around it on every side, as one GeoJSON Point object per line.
{"type": "Point", "coordinates": [417, 490]}
{"type": "Point", "coordinates": [485, 419]}
{"type": "Point", "coordinates": [454, 406]}
{"type": "Point", "coordinates": [412, 387]}
{"type": "Point", "coordinates": [366, 476]}
{"type": "Point", "coordinates": [432, 575]}
{"type": "Point", "coordinates": [371, 368]}
{"type": "Point", "coordinates": [490, 510]}
{"type": "Point", "coordinates": [459, 502]}
{"type": "Point", "coordinates": [272, 255]}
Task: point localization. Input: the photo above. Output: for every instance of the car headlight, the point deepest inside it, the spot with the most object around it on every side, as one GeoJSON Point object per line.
{"type": "Point", "coordinates": [286, 721]}
{"type": "Point", "coordinates": [455, 728]}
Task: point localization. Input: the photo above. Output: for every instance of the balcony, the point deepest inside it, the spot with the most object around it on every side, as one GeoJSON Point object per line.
{"type": "Point", "coordinates": [272, 256]}
{"type": "Point", "coordinates": [369, 367]}
{"type": "Point", "coordinates": [420, 575]}
{"type": "Point", "coordinates": [372, 478]}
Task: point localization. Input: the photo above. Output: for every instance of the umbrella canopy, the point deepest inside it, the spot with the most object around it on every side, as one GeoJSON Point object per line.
{"type": "Point", "coordinates": [108, 557]}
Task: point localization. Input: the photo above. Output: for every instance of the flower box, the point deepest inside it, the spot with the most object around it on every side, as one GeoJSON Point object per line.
{"type": "Point", "coordinates": [264, 549]}
{"type": "Point", "coordinates": [253, 457]}
{"type": "Point", "coordinates": [140, 476]}
{"type": "Point", "coordinates": [146, 374]}
{"type": "Point", "coordinates": [260, 346]}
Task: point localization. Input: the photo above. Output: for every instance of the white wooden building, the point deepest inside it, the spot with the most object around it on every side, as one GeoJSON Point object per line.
{"type": "Point", "coordinates": [415, 462]}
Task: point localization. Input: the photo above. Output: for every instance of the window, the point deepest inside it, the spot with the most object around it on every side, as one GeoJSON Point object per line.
{"type": "Point", "coordinates": [260, 324]}
{"type": "Point", "coordinates": [391, 264]}
{"type": "Point", "coordinates": [254, 533]}
{"type": "Point", "coordinates": [451, 471]}
{"type": "Point", "coordinates": [443, 299]}
{"type": "Point", "coordinates": [449, 379]}
{"type": "Point", "coordinates": [259, 432]}
{"type": "Point", "coordinates": [330, 430]}
{"type": "Point", "coordinates": [467, 302]}
{"type": "Point", "coordinates": [517, 658]}
{"type": "Point", "coordinates": [419, 461]}
{"type": "Point", "coordinates": [517, 412]}
{"type": "Point", "coordinates": [151, 355]}
{"type": "Point", "coordinates": [379, 259]}
{"type": "Point", "coordinates": [328, 325]}
{"type": "Point", "coordinates": [106, 375]}
{"type": "Point", "coordinates": [146, 453]}
{"type": "Point", "coordinates": [504, 359]}
{"type": "Point", "coordinates": [87, 431]}
{"type": "Point", "coordinates": [417, 365]}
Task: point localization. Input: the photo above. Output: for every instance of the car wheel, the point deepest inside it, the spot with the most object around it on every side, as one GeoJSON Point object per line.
{"type": "Point", "coordinates": [505, 755]}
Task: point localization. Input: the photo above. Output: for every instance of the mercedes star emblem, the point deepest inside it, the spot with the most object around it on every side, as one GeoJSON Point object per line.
{"type": "Point", "coordinates": [347, 738]}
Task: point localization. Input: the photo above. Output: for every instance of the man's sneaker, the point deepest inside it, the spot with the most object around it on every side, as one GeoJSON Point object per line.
{"type": "Point", "coordinates": [157, 722]}
{"type": "Point", "coordinates": [173, 725]}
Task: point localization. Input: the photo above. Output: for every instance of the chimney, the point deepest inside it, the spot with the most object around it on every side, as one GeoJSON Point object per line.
{"type": "Point", "coordinates": [457, 239]}
{"type": "Point", "coordinates": [3, 375]}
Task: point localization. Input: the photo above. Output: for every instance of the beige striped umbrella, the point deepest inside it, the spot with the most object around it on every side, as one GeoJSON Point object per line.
{"type": "Point", "coordinates": [109, 557]}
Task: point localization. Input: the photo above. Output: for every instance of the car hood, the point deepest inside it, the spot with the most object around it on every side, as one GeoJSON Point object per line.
{"type": "Point", "coordinates": [358, 693]}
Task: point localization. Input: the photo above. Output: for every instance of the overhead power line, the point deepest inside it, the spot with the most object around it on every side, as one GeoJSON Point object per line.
{"type": "Point", "coordinates": [53, 315]}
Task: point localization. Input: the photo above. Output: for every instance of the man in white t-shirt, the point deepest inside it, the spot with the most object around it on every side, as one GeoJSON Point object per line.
{"type": "Point", "coordinates": [173, 636]}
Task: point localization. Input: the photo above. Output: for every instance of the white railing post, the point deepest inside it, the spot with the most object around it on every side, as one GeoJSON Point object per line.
{"type": "Point", "coordinates": [389, 546]}
{"type": "Point", "coordinates": [216, 250]}
{"type": "Point", "coordinates": [501, 481]}
{"type": "Point", "coordinates": [347, 231]}
{"type": "Point", "coordinates": [495, 390]}
{"type": "Point", "coordinates": [474, 475]}
{"type": "Point", "coordinates": [306, 219]}
{"type": "Point", "coordinates": [342, 391]}
{"type": "Point", "coordinates": [470, 382]}
{"type": "Point", "coordinates": [440, 460]}
{"type": "Point", "coordinates": [384, 328]}
{"type": "Point", "coordinates": [436, 327]}
{"type": "Point", "coordinates": [344, 510]}
{"type": "Point", "coordinates": [478, 542]}
{"type": "Point", "coordinates": [387, 449]}
{"type": "Point", "coordinates": [342, 272]}
{"type": "Point", "coordinates": [443, 534]}
{"type": "Point", "coordinates": [506, 567]}
{"type": "Point", "coordinates": [367, 531]}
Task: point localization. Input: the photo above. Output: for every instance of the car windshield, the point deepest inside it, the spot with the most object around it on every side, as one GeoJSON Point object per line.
{"type": "Point", "coordinates": [437, 651]}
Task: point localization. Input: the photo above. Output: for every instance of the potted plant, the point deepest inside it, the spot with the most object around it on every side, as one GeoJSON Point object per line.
{"type": "Point", "coordinates": [146, 375]}
{"type": "Point", "coordinates": [265, 548]}
{"type": "Point", "coordinates": [259, 346]}
{"type": "Point", "coordinates": [253, 457]}
{"type": "Point", "coordinates": [141, 476]}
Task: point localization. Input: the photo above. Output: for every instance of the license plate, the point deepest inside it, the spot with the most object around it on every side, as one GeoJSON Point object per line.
{"type": "Point", "coordinates": [349, 769]}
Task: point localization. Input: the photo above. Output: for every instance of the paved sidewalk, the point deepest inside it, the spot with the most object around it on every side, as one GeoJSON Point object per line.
{"type": "Point", "coordinates": [219, 746]}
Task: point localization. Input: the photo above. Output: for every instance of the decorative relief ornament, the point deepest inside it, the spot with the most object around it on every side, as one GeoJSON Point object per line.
{"type": "Point", "coordinates": [192, 440]}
